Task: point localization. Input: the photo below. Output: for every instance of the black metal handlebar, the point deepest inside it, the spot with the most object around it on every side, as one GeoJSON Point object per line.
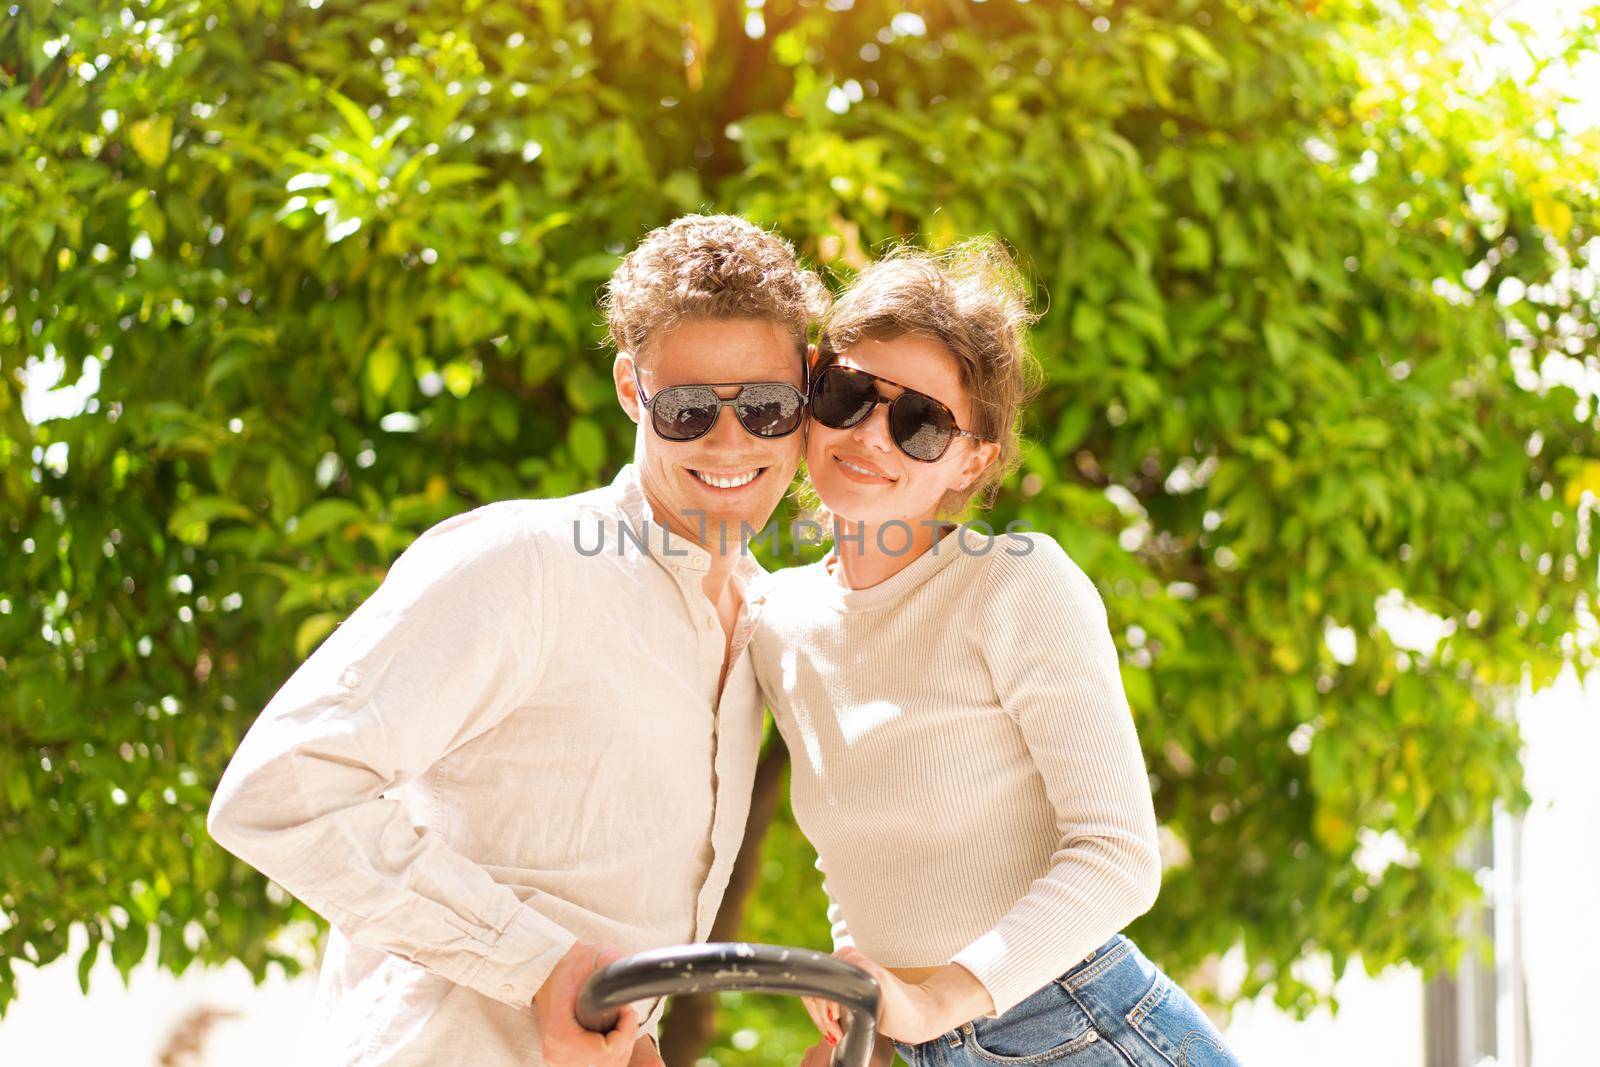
{"type": "Point", "coordinates": [735, 965]}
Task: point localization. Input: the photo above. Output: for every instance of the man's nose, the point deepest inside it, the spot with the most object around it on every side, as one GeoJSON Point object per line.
{"type": "Point", "coordinates": [726, 430]}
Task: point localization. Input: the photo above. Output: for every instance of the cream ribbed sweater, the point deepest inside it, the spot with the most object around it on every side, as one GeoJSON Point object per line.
{"type": "Point", "coordinates": [964, 761]}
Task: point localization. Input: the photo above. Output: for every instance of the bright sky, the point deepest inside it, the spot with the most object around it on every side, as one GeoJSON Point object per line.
{"type": "Point", "coordinates": [1552, 21]}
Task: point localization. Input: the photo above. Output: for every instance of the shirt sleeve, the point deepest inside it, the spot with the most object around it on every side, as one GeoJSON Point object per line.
{"type": "Point", "coordinates": [448, 645]}
{"type": "Point", "coordinates": [1044, 634]}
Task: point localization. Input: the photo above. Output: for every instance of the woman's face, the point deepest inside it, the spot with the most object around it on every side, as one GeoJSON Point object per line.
{"type": "Point", "coordinates": [859, 472]}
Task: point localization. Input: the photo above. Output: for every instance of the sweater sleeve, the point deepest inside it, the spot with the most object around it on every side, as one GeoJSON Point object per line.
{"type": "Point", "coordinates": [447, 647]}
{"type": "Point", "coordinates": [1045, 638]}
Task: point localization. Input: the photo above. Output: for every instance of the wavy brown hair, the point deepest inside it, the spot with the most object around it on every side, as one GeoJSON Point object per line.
{"type": "Point", "coordinates": [709, 267]}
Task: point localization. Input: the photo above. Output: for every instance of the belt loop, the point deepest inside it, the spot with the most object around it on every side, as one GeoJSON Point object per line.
{"type": "Point", "coordinates": [1065, 981]}
{"type": "Point", "coordinates": [953, 1038]}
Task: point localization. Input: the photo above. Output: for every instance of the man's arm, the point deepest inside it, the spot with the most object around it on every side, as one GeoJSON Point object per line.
{"type": "Point", "coordinates": [441, 652]}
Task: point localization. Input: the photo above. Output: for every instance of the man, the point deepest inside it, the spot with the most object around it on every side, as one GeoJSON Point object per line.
{"type": "Point", "coordinates": [538, 736]}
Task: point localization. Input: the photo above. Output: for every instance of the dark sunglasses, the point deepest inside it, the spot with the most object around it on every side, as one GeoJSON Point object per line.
{"type": "Point", "coordinates": [687, 412]}
{"type": "Point", "coordinates": [919, 425]}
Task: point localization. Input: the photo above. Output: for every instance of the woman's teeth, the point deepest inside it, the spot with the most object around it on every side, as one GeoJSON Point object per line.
{"type": "Point", "coordinates": [721, 482]}
{"type": "Point", "coordinates": [863, 470]}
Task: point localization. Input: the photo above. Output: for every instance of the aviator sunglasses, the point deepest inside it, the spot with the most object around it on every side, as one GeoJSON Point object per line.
{"type": "Point", "coordinates": [687, 412]}
{"type": "Point", "coordinates": [919, 425]}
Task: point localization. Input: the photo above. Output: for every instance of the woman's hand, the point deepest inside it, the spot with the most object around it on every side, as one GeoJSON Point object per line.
{"type": "Point", "coordinates": [914, 1013]}
{"type": "Point", "coordinates": [825, 1014]}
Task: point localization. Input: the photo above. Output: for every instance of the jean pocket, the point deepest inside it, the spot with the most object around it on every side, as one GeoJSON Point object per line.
{"type": "Point", "coordinates": [1082, 1041]}
{"type": "Point", "coordinates": [1046, 1026]}
{"type": "Point", "coordinates": [1174, 1026]}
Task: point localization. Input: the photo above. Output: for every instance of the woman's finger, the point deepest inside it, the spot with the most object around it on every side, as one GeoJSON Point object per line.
{"type": "Point", "coordinates": [814, 1009]}
{"type": "Point", "coordinates": [825, 1014]}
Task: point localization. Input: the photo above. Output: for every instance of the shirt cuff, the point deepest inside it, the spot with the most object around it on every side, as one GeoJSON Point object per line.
{"type": "Point", "coordinates": [527, 951]}
{"type": "Point", "coordinates": [986, 958]}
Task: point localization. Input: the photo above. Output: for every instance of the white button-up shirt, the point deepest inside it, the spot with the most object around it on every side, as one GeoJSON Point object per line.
{"type": "Point", "coordinates": [516, 742]}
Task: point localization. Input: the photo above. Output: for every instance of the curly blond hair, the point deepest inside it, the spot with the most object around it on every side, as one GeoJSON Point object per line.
{"type": "Point", "coordinates": [971, 298]}
{"type": "Point", "coordinates": [709, 267]}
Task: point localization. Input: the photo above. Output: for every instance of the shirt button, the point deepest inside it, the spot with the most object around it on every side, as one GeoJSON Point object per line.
{"type": "Point", "coordinates": [699, 560]}
{"type": "Point", "coordinates": [711, 624]}
{"type": "Point", "coordinates": [350, 678]}
{"type": "Point", "coordinates": [508, 988]}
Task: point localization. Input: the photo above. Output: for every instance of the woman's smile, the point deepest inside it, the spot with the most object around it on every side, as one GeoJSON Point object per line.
{"type": "Point", "coordinates": [862, 470]}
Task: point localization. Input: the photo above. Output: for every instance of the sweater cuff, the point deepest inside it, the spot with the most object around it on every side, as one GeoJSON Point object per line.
{"type": "Point", "coordinates": [527, 951]}
{"type": "Point", "coordinates": [986, 958]}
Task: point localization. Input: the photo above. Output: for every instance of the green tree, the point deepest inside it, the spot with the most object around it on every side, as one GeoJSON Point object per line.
{"type": "Point", "coordinates": [1317, 312]}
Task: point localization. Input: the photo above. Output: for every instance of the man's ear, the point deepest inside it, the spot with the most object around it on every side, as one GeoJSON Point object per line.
{"type": "Point", "coordinates": [622, 375]}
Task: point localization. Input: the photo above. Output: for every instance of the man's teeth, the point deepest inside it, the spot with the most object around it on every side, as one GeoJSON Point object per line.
{"type": "Point", "coordinates": [863, 470]}
{"type": "Point", "coordinates": [727, 483]}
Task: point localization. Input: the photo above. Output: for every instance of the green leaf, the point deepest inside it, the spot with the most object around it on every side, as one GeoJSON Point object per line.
{"type": "Point", "coordinates": [129, 946]}
{"type": "Point", "coordinates": [1148, 321]}
{"type": "Point", "coordinates": [1281, 342]}
{"type": "Point", "coordinates": [87, 960]}
{"type": "Point", "coordinates": [588, 444]}
{"type": "Point", "coordinates": [284, 485]}
{"type": "Point", "coordinates": [324, 516]}
{"type": "Point", "coordinates": [1087, 321]}
{"type": "Point", "coordinates": [448, 174]}
{"type": "Point", "coordinates": [354, 117]}
{"type": "Point", "coordinates": [592, 267]}
{"type": "Point", "coordinates": [152, 139]}
{"type": "Point", "coordinates": [311, 631]}
{"type": "Point", "coordinates": [383, 367]}
{"type": "Point", "coordinates": [207, 509]}
{"type": "Point", "coordinates": [1070, 429]}
{"type": "Point", "coordinates": [1196, 42]}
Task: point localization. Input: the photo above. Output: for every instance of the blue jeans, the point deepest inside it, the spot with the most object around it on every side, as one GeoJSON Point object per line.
{"type": "Point", "coordinates": [1113, 1009]}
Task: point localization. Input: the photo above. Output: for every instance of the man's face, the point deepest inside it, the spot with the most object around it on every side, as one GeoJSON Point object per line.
{"type": "Point", "coordinates": [678, 475]}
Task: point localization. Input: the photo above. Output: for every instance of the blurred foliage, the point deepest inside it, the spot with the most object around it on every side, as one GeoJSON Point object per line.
{"type": "Point", "coordinates": [1321, 301]}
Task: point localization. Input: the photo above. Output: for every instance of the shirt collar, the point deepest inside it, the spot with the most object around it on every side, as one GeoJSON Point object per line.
{"type": "Point", "coordinates": [671, 550]}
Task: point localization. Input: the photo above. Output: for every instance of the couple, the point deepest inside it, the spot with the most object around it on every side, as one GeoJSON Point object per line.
{"type": "Point", "coordinates": [524, 755]}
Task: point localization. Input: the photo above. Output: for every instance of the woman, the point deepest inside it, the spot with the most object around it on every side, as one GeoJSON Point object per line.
{"type": "Point", "coordinates": [963, 757]}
